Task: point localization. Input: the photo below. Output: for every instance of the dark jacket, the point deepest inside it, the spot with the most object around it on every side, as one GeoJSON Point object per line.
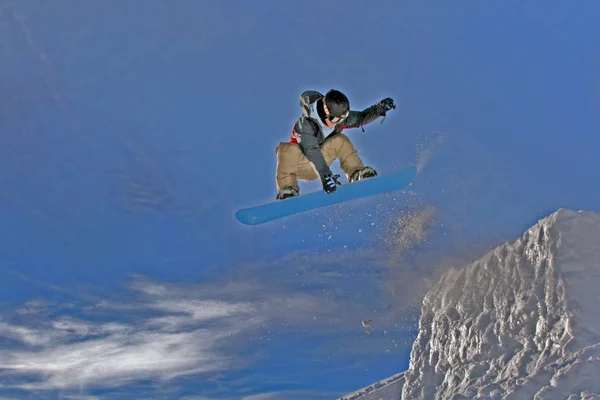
{"type": "Point", "coordinates": [308, 134]}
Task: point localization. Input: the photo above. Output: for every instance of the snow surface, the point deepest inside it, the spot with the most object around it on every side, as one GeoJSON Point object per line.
{"type": "Point", "coordinates": [523, 322]}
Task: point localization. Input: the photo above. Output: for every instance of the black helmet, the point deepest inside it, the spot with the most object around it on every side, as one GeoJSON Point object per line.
{"type": "Point", "coordinates": [336, 104]}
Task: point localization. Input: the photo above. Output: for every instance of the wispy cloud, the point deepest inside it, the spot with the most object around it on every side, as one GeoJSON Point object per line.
{"type": "Point", "coordinates": [154, 331]}
{"type": "Point", "coordinates": [116, 359]}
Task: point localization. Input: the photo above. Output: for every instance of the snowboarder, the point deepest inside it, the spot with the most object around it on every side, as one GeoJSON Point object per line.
{"type": "Point", "coordinates": [317, 140]}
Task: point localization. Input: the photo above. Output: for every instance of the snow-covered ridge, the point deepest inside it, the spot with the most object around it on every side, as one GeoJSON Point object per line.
{"type": "Point", "coordinates": [523, 322]}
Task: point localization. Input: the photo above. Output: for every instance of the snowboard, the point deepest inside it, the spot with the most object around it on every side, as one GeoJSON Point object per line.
{"type": "Point", "coordinates": [346, 192]}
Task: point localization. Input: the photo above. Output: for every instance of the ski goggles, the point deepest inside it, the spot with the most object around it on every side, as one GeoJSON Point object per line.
{"type": "Point", "coordinates": [333, 118]}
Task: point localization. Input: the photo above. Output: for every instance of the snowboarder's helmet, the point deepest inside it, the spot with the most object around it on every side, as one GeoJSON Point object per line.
{"type": "Point", "coordinates": [336, 105]}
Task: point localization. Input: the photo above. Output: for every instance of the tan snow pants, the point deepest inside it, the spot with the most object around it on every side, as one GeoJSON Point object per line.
{"type": "Point", "coordinates": [292, 164]}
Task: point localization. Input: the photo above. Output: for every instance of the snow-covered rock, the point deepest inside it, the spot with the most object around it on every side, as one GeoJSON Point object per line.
{"type": "Point", "coordinates": [523, 322]}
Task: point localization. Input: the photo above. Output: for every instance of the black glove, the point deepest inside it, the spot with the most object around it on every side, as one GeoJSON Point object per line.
{"type": "Point", "coordinates": [330, 183]}
{"type": "Point", "coordinates": [386, 105]}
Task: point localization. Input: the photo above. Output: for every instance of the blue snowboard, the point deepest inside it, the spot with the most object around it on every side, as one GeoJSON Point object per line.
{"type": "Point", "coordinates": [349, 191]}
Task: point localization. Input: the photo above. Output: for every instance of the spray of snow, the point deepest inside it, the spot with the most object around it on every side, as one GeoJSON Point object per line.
{"type": "Point", "coordinates": [410, 230]}
{"type": "Point", "coordinates": [426, 149]}
{"type": "Point", "coordinates": [407, 233]}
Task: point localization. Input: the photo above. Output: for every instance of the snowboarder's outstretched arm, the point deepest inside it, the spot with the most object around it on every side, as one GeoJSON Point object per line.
{"type": "Point", "coordinates": [359, 118]}
{"type": "Point", "coordinates": [306, 131]}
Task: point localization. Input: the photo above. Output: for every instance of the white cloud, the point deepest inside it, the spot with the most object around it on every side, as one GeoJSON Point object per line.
{"type": "Point", "coordinates": [203, 310]}
{"type": "Point", "coordinates": [28, 336]}
{"type": "Point", "coordinates": [117, 359]}
{"type": "Point", "coordinates": [69, 353]}
{"type": "Point", "coordinates": [156, 332]}
{"type": "Point", "coordinates": [161, 333]}
{"type": "Point", "coordinates": [32, 307]}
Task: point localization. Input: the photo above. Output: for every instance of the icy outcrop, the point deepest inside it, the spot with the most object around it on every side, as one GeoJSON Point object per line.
{"type": "Point", "coordinates": [523, 322]}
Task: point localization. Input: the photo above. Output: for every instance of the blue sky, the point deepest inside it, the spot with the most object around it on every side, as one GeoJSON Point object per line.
{"type": "Point", "coordinates": [130, 134]}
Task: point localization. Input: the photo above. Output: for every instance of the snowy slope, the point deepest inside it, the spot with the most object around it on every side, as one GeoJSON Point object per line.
{"type": "Point", "coordinates": [523, 322]}
{"type": "Point", "coordinates": [389, 388]}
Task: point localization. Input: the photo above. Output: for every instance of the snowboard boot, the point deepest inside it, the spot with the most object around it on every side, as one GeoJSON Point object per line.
{"type": "Point", "coordinates": [363, 173]}
{"type": "Point", "coordinates": [289, 191]}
